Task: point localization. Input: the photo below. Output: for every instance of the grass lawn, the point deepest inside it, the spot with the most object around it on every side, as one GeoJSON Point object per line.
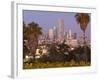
{"type": "Point", "coordinates": [38, 65]}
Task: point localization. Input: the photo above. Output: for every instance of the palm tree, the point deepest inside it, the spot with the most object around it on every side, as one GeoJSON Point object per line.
{"type": "Point", "coordinates": [25, 49]}
{"type": "Point", "coordinates": [32, 33]}
{"type": "Point", "coordinates": [83, 19]}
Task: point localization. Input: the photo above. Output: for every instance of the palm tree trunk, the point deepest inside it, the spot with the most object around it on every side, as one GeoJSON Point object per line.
{"type": "Point", "coordinates": [84, 41]}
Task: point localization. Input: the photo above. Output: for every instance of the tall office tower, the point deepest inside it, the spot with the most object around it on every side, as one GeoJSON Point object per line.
{"type": "Point", "coordinates": [66, 35]}
{"type": "Point", "coordinates": [61, 29]}
{"type": "Point", "coordinates": [51, 34]}
{"type": "Point", "coordinates": [74, 35]}
{"type": "Point", "coordinates": [69, 34]}
{"type": "Point", "coordinates": [55, 32]}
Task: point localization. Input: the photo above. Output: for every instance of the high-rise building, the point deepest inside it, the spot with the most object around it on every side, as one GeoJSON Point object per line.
{"type": "Point", "coordinates": [74, 35]}
{"type": "Point", "coordinates": [66, 35]}
{"type": "Point", "coordinates": [55, 32]}
{"type": "Point", "coordinates": [51, 34]}
{"type": "Point", "coordinates": [61, 29]}
{"type": "Point", "coordinates": [69, 34]}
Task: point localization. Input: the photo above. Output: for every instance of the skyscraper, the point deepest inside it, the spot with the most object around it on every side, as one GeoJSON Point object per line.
{"type": "Point", "coordinates": [51, 34]}
{"type": "Point", "coordinates": [69, 34]}
{"type": "Point", "coordinates": [74, 35]}
{"type": "Point", "coordinates": [66, 35]}
{"type": "Point", "coordinates": [61, 29]}
{"type": "Point", "coordinates": [55, 32]}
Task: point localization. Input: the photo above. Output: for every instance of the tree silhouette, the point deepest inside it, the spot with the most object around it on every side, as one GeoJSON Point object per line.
{"type": "Point", "coordinates": [31, 33]}
{"type": "Point", "coordinates": [83, 19]}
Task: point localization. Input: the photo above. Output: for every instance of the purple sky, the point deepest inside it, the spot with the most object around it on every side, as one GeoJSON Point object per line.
{"type": "Point", "coordinates": [49, 19]}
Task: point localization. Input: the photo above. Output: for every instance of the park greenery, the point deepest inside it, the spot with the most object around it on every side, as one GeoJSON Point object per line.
{"type": "Point", "coordinates": [59, 54]}
{"type": "Point", "coordinates": [39, 65]}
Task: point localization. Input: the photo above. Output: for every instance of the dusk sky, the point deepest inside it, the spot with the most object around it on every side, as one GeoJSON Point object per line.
{"type": "Point", "coordinates": [49, 19]}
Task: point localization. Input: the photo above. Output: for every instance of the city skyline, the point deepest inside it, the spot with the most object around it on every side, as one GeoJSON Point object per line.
{"type": "Point", "coordinates": [49, 19]}
{"type": "Point", "coordinates": [55, 39]}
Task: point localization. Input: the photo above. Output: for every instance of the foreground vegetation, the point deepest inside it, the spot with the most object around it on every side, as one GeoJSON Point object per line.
{"type": "Point", "coordinates": [39, 65]}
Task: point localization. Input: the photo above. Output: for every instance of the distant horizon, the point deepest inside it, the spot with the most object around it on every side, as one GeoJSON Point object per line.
{"type": "Point", "coordinates": [49, 19]}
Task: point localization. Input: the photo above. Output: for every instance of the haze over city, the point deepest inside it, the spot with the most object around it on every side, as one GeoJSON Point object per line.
{"type": "Point", "coordinates": [49, 19]}
{"type": "Point", "coordinates": [55, 39]}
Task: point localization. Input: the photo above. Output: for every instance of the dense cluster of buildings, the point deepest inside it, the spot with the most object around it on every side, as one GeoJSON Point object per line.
{"type": "Point", "coordinates": [58, 35]}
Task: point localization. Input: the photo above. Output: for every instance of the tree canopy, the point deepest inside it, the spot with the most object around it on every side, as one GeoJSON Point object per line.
{"type": "Point", "coordinates": [83, 19]}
